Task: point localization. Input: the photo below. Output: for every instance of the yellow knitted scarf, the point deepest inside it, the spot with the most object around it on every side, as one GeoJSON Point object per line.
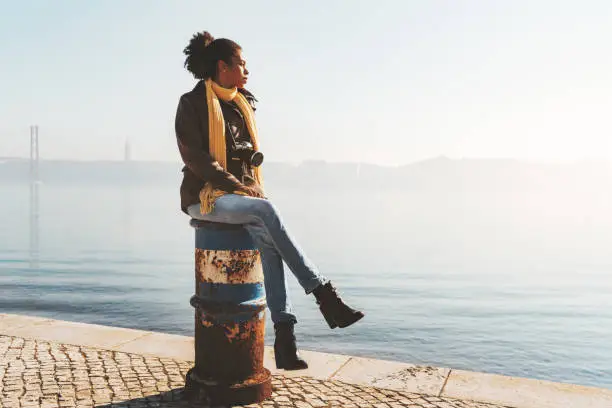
{"type": "Point", "coordinates": [216, 137]}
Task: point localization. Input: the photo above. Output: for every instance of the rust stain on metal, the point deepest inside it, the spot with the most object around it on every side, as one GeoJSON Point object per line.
{"type": "Point", "coordinates": [230, 351]}
{"type": "Point", "coordinates": [241, 331]}
{"type": "Point", "coordinates": [240, 264]}
{"type": "Point", "coordinates": [227, 266]}
{"type": "Point", "coordinates": [231, 331]}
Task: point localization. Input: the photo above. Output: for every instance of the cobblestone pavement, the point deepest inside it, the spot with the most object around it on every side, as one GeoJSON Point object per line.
{"type": "Point", "coordinates": [43, 374]}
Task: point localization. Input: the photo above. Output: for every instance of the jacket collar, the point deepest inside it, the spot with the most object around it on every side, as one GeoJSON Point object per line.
{"type": "Point", "coordinates": [201, 87]}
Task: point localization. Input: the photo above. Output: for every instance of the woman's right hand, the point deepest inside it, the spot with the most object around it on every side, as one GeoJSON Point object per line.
{"type": "Point", "coordinates": [253, 191]}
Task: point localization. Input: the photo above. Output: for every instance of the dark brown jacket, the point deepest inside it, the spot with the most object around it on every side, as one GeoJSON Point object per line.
{"type": "Point", "coordinates": [191, 125]}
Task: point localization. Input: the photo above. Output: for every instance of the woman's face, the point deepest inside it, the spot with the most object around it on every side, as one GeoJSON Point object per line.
{"type": "Point", "coordinates": [235, 74]}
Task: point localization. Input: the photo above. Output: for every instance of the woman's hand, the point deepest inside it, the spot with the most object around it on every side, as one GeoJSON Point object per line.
{"type": "Point", "coordinates": [254, 191]}
{"type": "Point", "coordinates": [252, 188]}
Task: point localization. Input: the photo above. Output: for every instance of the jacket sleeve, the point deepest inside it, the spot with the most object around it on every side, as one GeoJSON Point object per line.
{"type": "Point", "coordinates": [195, 153]}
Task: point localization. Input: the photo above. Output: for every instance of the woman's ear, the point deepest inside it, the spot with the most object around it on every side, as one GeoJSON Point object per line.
{"type": "Point", "coordinates": [221, 66]}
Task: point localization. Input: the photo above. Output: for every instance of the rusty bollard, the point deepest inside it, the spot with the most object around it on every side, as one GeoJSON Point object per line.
{"type": "Point", "coordinates": [230, 308]}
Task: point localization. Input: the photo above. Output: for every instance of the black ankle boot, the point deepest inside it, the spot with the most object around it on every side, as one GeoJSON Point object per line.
{"type": "Point", "coordinates": [285, 349]}
{"type": "Point", "coordinates": [335, 311]}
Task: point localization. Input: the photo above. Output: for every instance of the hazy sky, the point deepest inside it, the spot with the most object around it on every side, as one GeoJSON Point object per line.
{"type": "Point", "coordinates": [389, 82]}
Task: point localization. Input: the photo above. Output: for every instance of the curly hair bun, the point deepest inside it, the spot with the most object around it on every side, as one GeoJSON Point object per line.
{"type": "Point", "coordinates": [203, 52]}
{"type": "Point", "coordinates": [207, 37]}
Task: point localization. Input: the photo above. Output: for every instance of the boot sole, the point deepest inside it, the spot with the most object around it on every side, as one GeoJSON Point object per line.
{"type": "Point", "coordinates": [332, 323]}
{"type": "Point", "coordinates": [281, 365]}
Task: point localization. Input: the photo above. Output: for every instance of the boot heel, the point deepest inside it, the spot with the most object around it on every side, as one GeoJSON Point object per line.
{"type": "Point", "coordinates": [330, 321]}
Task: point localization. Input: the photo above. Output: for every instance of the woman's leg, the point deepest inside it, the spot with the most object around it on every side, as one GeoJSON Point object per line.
{"type": "Point", "coordinates": [264, 224]}
{"type": "Point", "coordinates": [275, 279]}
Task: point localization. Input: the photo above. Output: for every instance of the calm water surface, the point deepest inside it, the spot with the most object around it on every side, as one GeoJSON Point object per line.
{"type": "Point", "coordinates": [484, 282]}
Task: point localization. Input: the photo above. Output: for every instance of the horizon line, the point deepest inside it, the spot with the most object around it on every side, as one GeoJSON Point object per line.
{"type": "Point", "coordinates": [310, 161]}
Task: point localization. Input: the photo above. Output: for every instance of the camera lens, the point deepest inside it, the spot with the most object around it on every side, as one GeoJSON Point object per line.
{"type": "Point", "coordinates": [257, 159]}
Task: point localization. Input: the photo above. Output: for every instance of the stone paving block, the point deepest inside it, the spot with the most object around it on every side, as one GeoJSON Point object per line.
{"type": "Point", "coordinates": [393, 375]}
{"type": "Point", "coordinates": [524, 393]}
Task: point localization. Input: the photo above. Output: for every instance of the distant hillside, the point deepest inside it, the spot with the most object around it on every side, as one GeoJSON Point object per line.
{"type": "Point", "coordinates": [438, 174]}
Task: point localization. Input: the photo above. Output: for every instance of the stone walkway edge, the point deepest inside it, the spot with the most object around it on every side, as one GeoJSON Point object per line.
{"type": "Point", "coordinates": [426, 380]}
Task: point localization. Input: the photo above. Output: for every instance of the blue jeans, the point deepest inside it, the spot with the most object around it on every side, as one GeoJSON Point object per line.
{"type": "Point", "coordinates": [263, 222]}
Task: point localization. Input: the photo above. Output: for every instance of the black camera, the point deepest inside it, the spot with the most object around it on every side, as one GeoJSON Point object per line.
{"type": "Point", "coordinates": [244, 151]}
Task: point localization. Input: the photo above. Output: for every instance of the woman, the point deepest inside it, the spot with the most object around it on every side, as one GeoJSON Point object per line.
{"type": "Point", "coordinates": [221, 185]}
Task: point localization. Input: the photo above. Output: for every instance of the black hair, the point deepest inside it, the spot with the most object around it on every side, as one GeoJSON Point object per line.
{"type": "Point", "coordinates": [203, 52]}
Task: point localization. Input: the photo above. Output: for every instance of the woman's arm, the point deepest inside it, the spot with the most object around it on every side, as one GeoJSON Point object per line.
{"type": "Point", "coordinates": [195, 154]}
